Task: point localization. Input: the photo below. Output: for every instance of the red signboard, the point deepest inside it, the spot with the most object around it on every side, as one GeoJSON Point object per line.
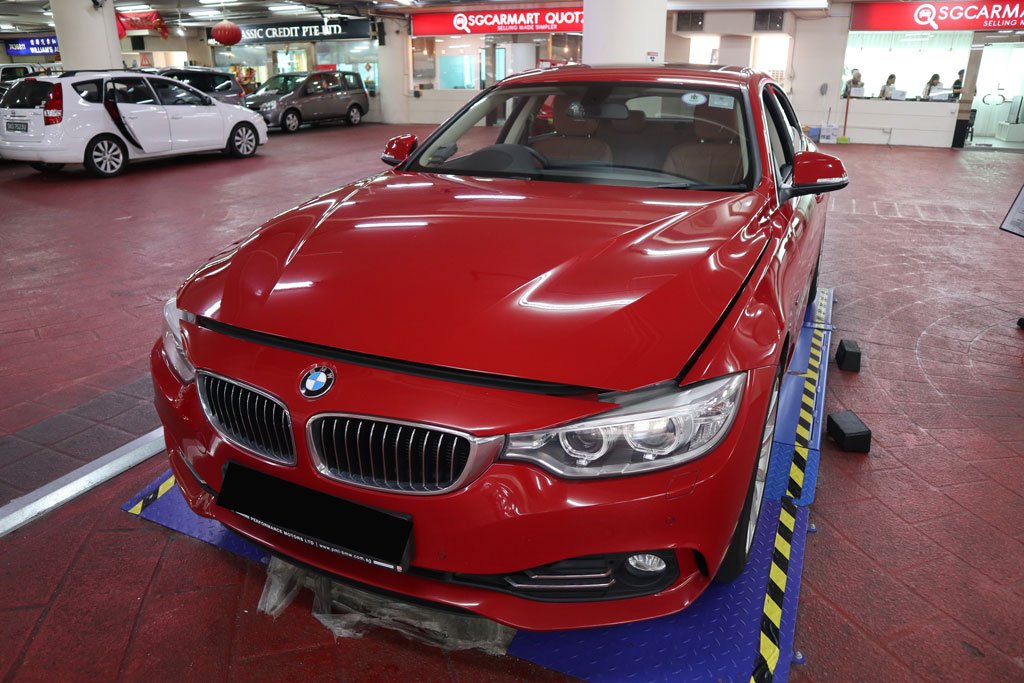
{"type": "Point", "coordinates": [560, 20]}
{"type": "Point", "coordinates": [981, 15]}
{"type": "Point", "coordinates": [140, 21]}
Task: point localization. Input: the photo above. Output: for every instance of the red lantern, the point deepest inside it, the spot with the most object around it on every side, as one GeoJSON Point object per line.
{"type": "Point", "coordinates": [226, 33]}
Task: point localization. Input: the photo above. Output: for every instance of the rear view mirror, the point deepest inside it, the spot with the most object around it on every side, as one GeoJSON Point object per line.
{"type": "Point", "coordinates": [398, 149]}
{"type": "Point", "coordinates": [814, 173]}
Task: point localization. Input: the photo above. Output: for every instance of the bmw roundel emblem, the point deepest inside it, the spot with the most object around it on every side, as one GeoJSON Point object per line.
{"type": "Point", "coordinates": [316, 382]}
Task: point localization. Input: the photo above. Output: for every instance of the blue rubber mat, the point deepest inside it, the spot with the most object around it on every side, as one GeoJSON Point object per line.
{"type": "Point", "coordinates": [166, 506]}
{"type": "Point", "coordinates": [715, 639]}
{"type": "Point", "coordinates": [719, 637]}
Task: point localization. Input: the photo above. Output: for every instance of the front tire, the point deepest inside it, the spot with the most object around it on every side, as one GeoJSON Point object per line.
{"type": "Point", "coordinates": [106, 156]}
{"type": "Point", "coordinates": [44, 167]}
{"type": "Point", "coordinates": [242, 142]}
{"type": "Point", "coordinates": [354, 116]}
{"type": "Point", "coordinates": [743, 538]}
{"type": "Point", "coordinates": [290, 121]}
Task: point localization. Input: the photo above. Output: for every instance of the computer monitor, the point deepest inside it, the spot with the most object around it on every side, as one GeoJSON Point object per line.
{"type": "Point", "coordinates": [940, 94]}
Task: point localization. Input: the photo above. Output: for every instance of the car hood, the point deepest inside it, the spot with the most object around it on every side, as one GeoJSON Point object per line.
{"type": "Point", "coordinates": [595, 286]}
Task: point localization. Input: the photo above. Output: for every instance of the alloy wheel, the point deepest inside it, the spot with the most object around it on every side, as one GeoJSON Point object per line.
{"type": "Point", "coordinates": [245, 141]}
{"type": "Point", "coordinates": [107, 156]}
{"type": "Point", "coordinates": [761, 477]}
{"type": "Point", "coordinates": [291, 121]}
{"type": "Point", "coordinates": [354, 116]}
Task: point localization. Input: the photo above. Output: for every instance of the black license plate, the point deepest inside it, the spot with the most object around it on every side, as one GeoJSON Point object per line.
{"type": "Point", "coordinates": [17, 126]}
{"type": "Point", "coordinates": [380, 538]}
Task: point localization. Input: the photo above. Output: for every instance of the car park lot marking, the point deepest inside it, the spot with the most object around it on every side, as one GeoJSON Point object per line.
{"type": "Point", "coordinates": [737, 631]}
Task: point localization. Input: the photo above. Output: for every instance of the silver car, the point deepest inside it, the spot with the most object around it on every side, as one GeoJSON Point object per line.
{"type": "Point", "coordinates": [217, 84]}
{"type": "Point", "coordinates": [289, 100]}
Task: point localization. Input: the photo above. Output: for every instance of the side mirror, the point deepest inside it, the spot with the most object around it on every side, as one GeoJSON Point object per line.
{"type": "Point", "coordinates": [207, 100]}
{"type": "Point", "coordinates": [398, 149]}
{"type": "Point", "coordinates": [814, 173]}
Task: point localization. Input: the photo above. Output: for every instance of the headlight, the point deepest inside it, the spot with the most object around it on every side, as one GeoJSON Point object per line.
{"type": "Point", "coordinates": [650, 430]}
{"type": "Point", "coordinates": [173, 347]}
{"type": "Point", "coordinates": [269, 106]}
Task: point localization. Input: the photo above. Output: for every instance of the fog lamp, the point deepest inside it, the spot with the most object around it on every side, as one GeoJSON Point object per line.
{"type": "Point", "coordinates": [647, 563]}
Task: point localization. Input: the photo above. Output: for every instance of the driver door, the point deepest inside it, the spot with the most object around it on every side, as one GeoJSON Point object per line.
{"type": "Point", "coordinates": [196, 122]}
{"type": "Point", "coordinates": [137, 114]}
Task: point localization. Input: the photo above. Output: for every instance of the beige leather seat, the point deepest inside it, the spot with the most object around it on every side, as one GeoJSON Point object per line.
{"type": "Point", "coordinates": [716, 156]}
{"type": "Point", "coordinates": [572, 140]}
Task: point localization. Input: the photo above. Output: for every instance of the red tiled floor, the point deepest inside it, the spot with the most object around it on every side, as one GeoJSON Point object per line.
{"type": "Point", "coordinates": [91, 593]}
{"type": "Point", "coordinates": [916, 573]}
{"type": "Point", "coordinates": [931, 294]}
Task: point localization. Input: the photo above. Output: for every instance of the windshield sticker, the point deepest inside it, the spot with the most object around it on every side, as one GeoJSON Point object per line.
{"type": "Point", "coordinates": [721, 101]}
{"type": "Point", "coordinates": [695, 99]}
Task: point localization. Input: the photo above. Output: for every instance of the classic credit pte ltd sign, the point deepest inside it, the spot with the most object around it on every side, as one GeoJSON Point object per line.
{"type": "Point", "coordinates": [305, 31]}
{"type": "Point", "coordinates": [512, 21]}
{"type": "Point", "coordinates": [937, 16]}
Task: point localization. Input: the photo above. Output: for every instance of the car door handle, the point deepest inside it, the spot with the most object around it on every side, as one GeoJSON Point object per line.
{"type": "Point", "coordinates": [177, 116]}
{"type": "Point", "coordinates": [132, 116]}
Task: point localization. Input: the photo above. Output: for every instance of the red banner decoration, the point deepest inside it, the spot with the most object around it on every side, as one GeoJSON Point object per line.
{"type": "Point", "coordinates": [140, 21]}
{"type": "Point", "coordinates": [981, 15]}
{"type": "Point", "coordinates": [226, 33]}
{"type": "Point", "coordinates": [508, 21]}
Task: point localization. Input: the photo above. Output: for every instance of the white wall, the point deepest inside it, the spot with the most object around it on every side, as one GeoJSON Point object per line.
{"type": "Point", "coordinates": [1001, 73]}
{"type": "Point", "coordinates": [819, 47]}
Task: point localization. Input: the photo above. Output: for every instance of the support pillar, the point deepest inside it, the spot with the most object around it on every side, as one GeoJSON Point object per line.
{"type": "Point", "coordinates": [619, 33]}
{"type": "Point", "coordinates": [87, 34]}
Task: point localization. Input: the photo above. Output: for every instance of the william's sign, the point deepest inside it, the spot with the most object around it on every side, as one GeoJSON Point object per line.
{"type": "Point", "coordinates": [937, 16]}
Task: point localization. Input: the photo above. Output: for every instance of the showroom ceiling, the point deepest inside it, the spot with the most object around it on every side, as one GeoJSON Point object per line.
{"type": "Point", "coordinates": [20, 16]}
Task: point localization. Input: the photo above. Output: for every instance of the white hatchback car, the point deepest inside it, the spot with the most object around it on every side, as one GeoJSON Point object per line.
{"type": "Point", "coordinates": [103, 119]}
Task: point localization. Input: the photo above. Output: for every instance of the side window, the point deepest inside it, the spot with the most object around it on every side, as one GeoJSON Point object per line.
{"type": "Point", "coordinates": [796, 134]}
{"type": "Point", "coordinates": [315, 85]}
{"type": "Point", "coordinates": [15, 72]}
{"type": "Point", "coordinates": [90, 91]}
{"type": "Point", "coordinates": [171, 93]}
{"type": "Point", "coordinates": [778, 134]}
{"type": "Point", "coordinates": [331, 82]}
{"type": "Point", "coordinates": [220, 83]}
{"type": "Point", "coordinates": [130, 91]}
{"type": "Point", "coordinates": [352, 82]}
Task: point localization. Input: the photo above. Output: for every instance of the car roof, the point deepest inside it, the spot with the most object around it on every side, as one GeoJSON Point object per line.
{"type": "Point", "coordinates": [726, 76]}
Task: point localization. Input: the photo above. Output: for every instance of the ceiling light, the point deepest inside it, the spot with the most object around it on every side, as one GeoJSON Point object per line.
{"type": "Point", "coordinates": [6, 27]}
{"type": "Point", "coordinates": [133, 8]}
{"type": "Point", "coordinates": [48, 13]}
{"type": "Point", "coordinates": [287, 8]}
{"type": "Point", "coordinates": [205, 13]}
{"type": "Point", "coordinates": [219, 2]}
{"type": "Point", "coordinates": [180, 31]}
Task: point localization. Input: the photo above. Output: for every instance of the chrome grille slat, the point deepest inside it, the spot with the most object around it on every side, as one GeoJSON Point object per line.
{"type": "Point", "coordinates": [388, 455]}
{"type": "Point", "coordinates": [247, 417]}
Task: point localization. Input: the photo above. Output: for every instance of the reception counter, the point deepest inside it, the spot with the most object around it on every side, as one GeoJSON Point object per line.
{"type": "Point", "coordinates": [895, 122]}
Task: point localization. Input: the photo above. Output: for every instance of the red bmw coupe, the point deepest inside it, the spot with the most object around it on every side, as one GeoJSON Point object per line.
{"type": "Point", "coordinates": [532, 371]}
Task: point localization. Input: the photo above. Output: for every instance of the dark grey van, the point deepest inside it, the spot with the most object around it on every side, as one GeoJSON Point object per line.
{"type": "Point", "coordinates": [217, 84]}
{"type": "Point", "coordinates": [289, 100]}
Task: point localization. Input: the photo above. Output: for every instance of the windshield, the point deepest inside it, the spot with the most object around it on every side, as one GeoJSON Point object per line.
{"type": "Point", "coordinates": [281, 84]}
{"type": "Point", "coordinates": [650, 135]}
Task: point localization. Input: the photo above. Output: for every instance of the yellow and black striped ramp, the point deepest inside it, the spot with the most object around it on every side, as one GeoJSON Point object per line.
{"type": "Point", "coordinates": [150, 495]}
{"type": "Point", "coordinates": [778, 618]}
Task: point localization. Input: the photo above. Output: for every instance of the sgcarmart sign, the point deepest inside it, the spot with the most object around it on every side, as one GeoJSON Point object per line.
{"type": "Point", "coordinates": [511, 21]}
{"type": "Point", "coordinates": [937, 16]}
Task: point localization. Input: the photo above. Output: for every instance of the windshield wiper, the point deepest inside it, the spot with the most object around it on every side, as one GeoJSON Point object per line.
{"type": "Point", "coordinates": [701, 186]}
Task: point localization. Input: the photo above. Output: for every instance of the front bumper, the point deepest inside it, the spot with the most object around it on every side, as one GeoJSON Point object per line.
{"type": "Point", "coordinates": [513, 517]}
{"type": "Point", "coordinates": [272, 117]}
